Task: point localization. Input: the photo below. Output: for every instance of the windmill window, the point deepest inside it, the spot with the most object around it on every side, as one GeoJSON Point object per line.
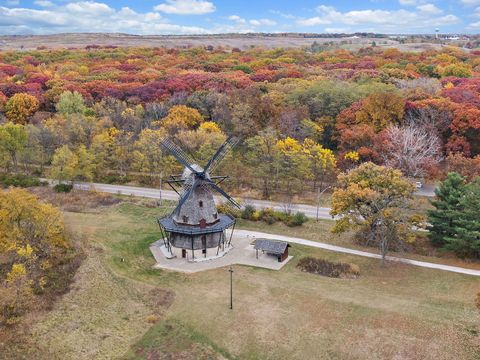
{"type": "Point", "coordinates": [215, 215]}
{"type": "Point", "coordinates": [200, 203]}
{"type": "Point", "coordinates": [185, 218]}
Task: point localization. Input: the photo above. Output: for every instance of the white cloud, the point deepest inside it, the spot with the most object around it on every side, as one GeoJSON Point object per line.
{"type": "Point", "coordinates": [402, 21]}
{"type": "Point", "coordinates": [408, 2]}
{"type": "Point", "coordinates": [263, 22]}
{"type": "Point", "coordinates": [470, 2]}
{"type": "Point", "coordinates": [332, 30]}
{"type": "Point", "coordinates": [89, 7]}
{"type": "Point", "coordinates": [186, 7]}
{"type": "Point", "coordinates": [237, 19]}
{"type": "Point", "coordinates": [43, 3]}
{"type": "Point", "coordinates": [254, 22]}
{"type": "Point", "coordinates": [429, 9]}
{"type": "Point", "coordinates": [412, 2]}
{"type": "Point", "coordinates": [282, 14]}
{"type": "Point", "coordinates": [317, 20]}
{"type": "Point", "coordinates": [88, 16]}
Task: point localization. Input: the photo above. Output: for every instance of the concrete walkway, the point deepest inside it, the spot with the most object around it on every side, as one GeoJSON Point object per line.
{"type": "Point", "coordinates": [242, 253]}
{"type": "Point", "coordinates": [320, 245]}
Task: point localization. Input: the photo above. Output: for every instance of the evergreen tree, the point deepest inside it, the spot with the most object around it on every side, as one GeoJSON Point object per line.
{"type": "Point", "coordinates": [447, 208]}
{"type": "Point", "coordinates": [466, 241]}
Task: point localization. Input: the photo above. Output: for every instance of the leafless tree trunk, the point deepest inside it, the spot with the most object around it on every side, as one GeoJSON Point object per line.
{"type": "Point", "coordinates": [411, 149]}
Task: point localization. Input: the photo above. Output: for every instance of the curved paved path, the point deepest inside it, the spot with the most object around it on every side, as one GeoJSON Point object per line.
{"type": "Point", "coordinates": [310, 211]}
{"type": "Point", "coordinates": [340, 249]}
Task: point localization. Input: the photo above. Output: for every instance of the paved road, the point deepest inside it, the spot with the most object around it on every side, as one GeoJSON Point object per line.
{"type": "Point", "coordinates": [426, 190]}
{"type": "Point", "coordinates": [320, 245]}
{"type": "Point", "coordinates": [309, 210]}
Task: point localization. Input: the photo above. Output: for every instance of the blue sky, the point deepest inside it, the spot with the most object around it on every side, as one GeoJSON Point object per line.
{"type": "Point", "coordinates": [216, 16]}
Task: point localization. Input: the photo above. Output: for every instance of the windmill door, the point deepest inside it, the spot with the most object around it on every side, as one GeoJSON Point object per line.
{"type": "Point", "coordinates": [203, 224]}
{"type": "Point", "coordinates": [184, 253]}
{"type": "Point", "coordinates": [204, 245]}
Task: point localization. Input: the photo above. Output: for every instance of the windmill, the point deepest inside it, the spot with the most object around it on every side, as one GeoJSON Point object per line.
{"type": "Point", "coordinates": [195, 223]}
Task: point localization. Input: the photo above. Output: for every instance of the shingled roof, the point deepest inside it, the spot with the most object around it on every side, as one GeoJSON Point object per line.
{"type": "Point", "coordinates": [275, 247]}
{"type": "Point", "coordinates": [224, 222]}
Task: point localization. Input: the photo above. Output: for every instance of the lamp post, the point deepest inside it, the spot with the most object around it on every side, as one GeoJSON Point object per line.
{"type": "Point", "coordinates": [231, 287]}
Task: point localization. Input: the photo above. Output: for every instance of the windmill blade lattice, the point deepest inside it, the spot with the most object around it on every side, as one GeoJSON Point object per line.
{"type": "Point", "coordinates": [221, 153]}
{"type": "Point", "coordinates": [225, 195]}
{"type": "Point", "coordinates": [182, 157]}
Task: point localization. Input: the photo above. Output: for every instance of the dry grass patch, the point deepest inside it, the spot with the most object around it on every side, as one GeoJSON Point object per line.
{"type": "Point", "coordinates": [328, 268]}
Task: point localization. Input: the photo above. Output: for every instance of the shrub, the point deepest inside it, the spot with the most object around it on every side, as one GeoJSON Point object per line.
{"type": "Point", "coordinates": [152, 319]}
{"type": "Point", "coordinates": [477, 301]}
{"type": "Point", "coordinates": [225, 208]}
{"type": "Point", "coordinates": [296, 220]}
{"type": "Point", "coordinates": [256, 215]}
{"type": "Point", "coordinates": [328, 268]}
{"type": "Point", "coordinates": [245, 68]}
{"type": "Point", "coordinates": [248, 212]}
{"type": "Point", "coordinates": [268, 215]}
{"type": "Point", "coordinates": [20, 180]}
{"type": "Point", "coordinates": [65, 188]}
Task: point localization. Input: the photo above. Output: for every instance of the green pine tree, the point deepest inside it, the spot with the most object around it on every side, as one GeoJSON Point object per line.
{"type": "Point", "coordinates": [447, 207]}
{"type": "Point", "coordinates": [466, 242]}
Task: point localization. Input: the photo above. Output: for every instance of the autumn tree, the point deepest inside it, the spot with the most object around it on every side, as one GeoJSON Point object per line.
{"type": "Point", "coordinates": [411, 149]}
{"type": "Point", "coordinates": [21, 106]}
{"type": "Point", "coordinates": [380, 110]}
{"type": "Point", "coordinates": [467, 167]}
{"type": "Point", "coordinates": [465, 129]}
{"type": "Point", "coordinates": [13, 139]}
{"type": "Point", "coordinates": [321, 163]}
{"type": "Point", "coordinates": [262, 155]}
{"type": "Point", "coordinates": [113, 151]}
{"type": "Point", "coordinates": [149, 157]}
{"type": "Point", "coordinates": [70, 103]}
{"type": "Point", "coordinates": [85, 167]}
{"type": "Point", "coordinates": [294, 167]}
{"type": "Point", "coordinates": [180, 117]}
{"type": "Point", "coordinates": [64, 164]}
{"type": "Point", "coordinates": [372, 200]}
{"type": "Point", "coordinates": [203, 142]}
{"type": "Point", "coordinates": [33, 244]}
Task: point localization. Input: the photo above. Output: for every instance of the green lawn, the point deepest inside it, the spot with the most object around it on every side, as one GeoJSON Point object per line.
{"type": "Point", "coordinates": [397, 311]}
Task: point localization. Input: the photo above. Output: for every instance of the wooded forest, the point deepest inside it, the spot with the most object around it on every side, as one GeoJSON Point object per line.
{"type": "Point", "coordinates": [99, 113]}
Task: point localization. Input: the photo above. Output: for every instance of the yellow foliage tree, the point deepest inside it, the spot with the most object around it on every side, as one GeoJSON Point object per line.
{"type": "Point", "coordinates": [64, 164]}
{"type": "Point", "coordinates": [372, 200]}
{"type": "Point", "coordinates": [148, 155]}
{"type": "Point", "coordinates": [294, 165]}
{"type": "Point", "coordinates": [32, 234]}
{"type": "Point", "coordinates": [322, 163]}
{"type": "Point", "coordinates": [381, 109]}
{"type": "Point", "coordinates": [13, 139]}
{"type": "Point", "coordinates": [20, 106]}
{"type": "Point", "coordinates": [210, 127]}
{"type": "Point", "coordinates": [180, 117]}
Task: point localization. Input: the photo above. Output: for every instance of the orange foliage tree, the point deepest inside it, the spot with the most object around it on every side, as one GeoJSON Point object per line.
{"type": "Point", "coordinates": [20, 106]}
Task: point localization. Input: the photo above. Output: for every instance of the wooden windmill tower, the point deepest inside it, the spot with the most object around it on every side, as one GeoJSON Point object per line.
{"type": "Point", "coordinates": [195, 224]}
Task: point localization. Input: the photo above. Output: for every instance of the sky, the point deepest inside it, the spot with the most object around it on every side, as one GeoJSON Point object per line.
{"type": "Point", "coordinates": [148, 17]}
